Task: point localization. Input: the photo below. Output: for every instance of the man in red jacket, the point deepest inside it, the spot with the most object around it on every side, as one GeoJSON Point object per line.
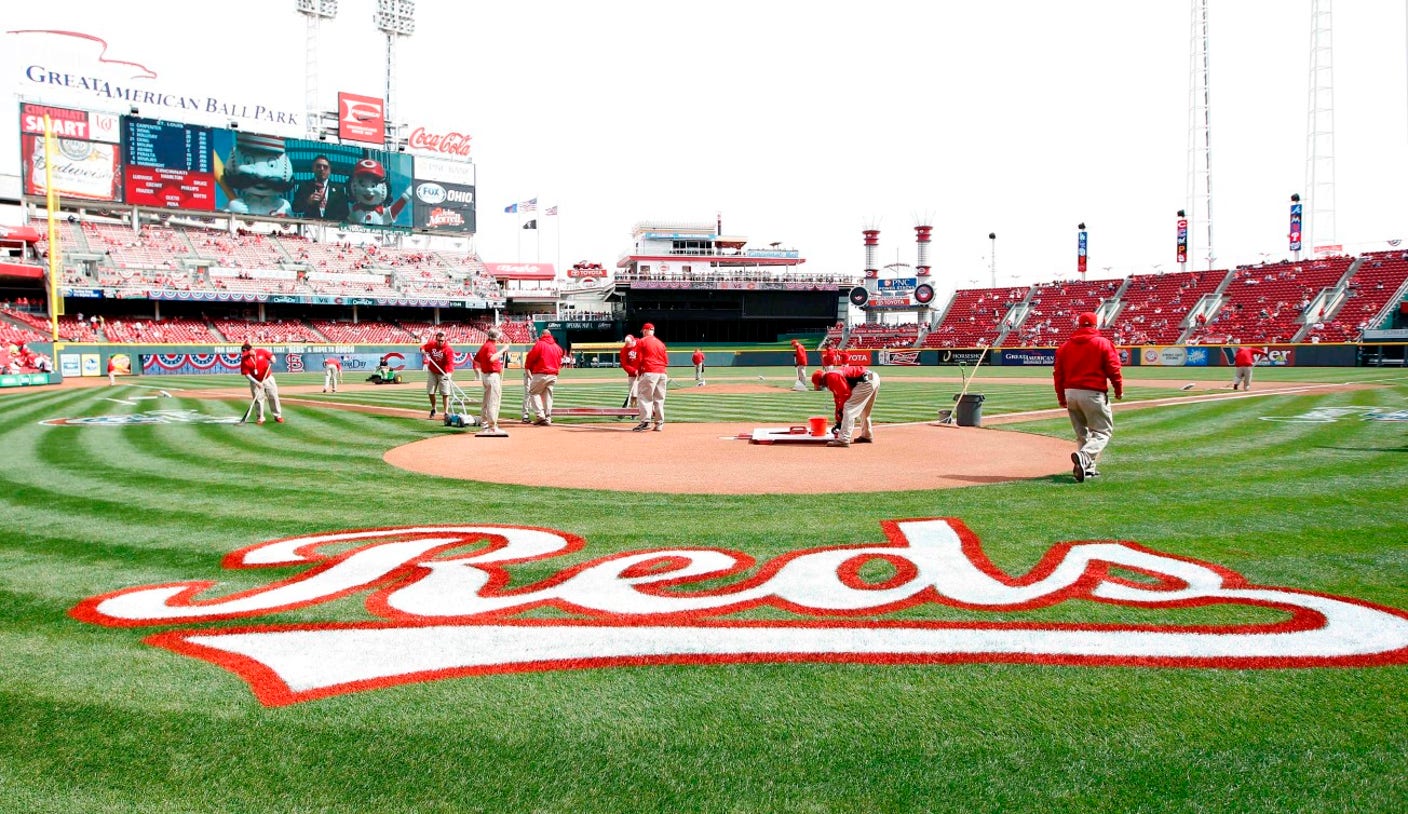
{"type": "Point", "coordinates": [544, 362]}
{"type": "Point", "coordinates": [1085, 363]}
{"type": "Point", "coordinates": [698, 361]}
{"type": "Point", "coordinates": [440, 366]}
{"type": "Point", "coordinates": [853, 389]}
{"type": "Point", "coordinates": [489, 361]}
{"type": "Point", "coordinates": [630, 363]}
{"type": "Point", "coordinates": [257, 366]}
{"type": "Point", "coordinates": [1244, 361]}
{"type": "Point", "coordinates": [654, 380]}
{"type": "Point", "coordinates": [799, 357]}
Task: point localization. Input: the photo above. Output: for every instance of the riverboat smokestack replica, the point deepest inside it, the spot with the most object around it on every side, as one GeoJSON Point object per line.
{"type": "Point", "coordinates": [922, 235]}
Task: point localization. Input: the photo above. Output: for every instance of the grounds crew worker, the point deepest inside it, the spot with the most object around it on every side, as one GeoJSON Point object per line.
{"type": "Point", "coordinates": [853, 388]}
{"type": "Point", "coordinates": [1084, 363]}
{"type": "Point", "coordinates": [654, 380]}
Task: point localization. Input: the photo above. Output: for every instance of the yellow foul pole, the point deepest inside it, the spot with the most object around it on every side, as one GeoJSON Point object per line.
{"type": "Point", "coordinates": [51, 201]}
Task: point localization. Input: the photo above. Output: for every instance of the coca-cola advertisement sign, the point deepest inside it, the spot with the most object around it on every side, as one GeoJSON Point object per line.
{"type": "Point", "coordinates": [452, 143]}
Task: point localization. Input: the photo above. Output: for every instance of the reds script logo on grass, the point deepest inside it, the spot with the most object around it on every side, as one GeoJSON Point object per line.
{"type": "Point", "coordinates": [450, 610]}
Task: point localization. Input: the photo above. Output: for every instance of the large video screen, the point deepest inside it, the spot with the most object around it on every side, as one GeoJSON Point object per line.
{"type": "Point", "coordinates": [172, 165]}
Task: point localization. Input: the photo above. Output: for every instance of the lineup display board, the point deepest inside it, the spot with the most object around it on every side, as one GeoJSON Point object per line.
{"type": "Point", "coordinates": [164, 164]}
{"type": "Point", "coordinates": [167, 165]}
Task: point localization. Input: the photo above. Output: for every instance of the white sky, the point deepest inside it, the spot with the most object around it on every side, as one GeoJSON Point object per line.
{"type": "Point", "coordinates": [804, 122]}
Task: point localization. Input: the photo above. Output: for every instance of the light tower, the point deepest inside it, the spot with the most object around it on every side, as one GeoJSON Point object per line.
{"type": "Point", "coordinates": [1199, 186]}
{"type": "Point", "coordinates": [397, 19]}
{"type": "Point", "coordinates": [1318, 226]}
{"type": "Point", "coordinates": [316, 11]}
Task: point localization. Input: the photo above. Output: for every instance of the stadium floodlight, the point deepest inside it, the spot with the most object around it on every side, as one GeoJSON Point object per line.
{"type": "Point", "coordinates": [318, 8]}
{"type": "Point", "coordinates": [396, 16]}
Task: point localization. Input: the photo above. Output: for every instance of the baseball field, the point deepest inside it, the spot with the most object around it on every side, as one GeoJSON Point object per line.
{"type": "Point", "coordinates": [198, 615]}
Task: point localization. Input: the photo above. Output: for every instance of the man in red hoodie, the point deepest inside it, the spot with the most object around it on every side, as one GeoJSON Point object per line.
{"type": "Point", "coordinates": [1085, 363]}
{"type": "Point", "coordinates": [1244, 361]}
{"type": "Point", "coordinates": [440, 367]}
{"type": "Point", "coordinates": [544, 362]}
{"type": "Point", "coordinates": [630, 364]}
{"type": "Point", "coordinates": [853, 389]}
{"type": "Point", "coordinates": [799, 357]}
{"type": "Point", "coordinates": [654, 380]}
{"type": "Point", "coordinates": [257, 366]}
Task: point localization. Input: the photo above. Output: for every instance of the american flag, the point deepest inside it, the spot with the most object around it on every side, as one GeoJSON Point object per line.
{"type": "Point", "coordinates": [529, 206]}
{"type": "Point", "coordinates": [551, 210]}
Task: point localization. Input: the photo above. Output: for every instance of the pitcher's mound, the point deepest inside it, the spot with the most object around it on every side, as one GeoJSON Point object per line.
{"type": "Point", "coordinates": [711, 459]}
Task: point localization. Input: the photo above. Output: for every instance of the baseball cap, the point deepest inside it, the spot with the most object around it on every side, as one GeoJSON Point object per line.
{"type": "Point", "coordinates": [1087, 320]}
{"type": "Point", "coordinates": [629, 339]}
{"type": "Point", "coordinates": [649, 326]}
{"type": "Point", "coordinates": [816, 379]}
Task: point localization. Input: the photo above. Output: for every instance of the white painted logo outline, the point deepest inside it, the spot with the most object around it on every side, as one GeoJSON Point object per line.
{"type": "Point", "coordinates": [450, 614]}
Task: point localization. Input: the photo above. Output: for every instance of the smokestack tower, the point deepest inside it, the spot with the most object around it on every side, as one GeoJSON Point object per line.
{"type": "Point", "coordinates": [872, 242]}
{"type": "Point", "coordinates": [922, 236]}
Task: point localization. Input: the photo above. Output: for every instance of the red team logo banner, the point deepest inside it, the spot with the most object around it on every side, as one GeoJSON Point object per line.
{"type": "Point", "coordinates": [446, 609]}
{"type": "Point", "coordinates": [361, 118]}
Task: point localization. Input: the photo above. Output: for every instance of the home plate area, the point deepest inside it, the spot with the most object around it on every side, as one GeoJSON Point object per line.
{"type": "Point", "coordinates": [787, 435]}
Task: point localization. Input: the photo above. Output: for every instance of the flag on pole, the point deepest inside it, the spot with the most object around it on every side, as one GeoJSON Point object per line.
{"type": "Point", "coordinates": [551, 211]}
{"type": "Point", "coordinates": [529, 206]}
{"type": "Point", "coordinates": [510, 209]}
{"type": "Point", "coordinates": [532, 224]}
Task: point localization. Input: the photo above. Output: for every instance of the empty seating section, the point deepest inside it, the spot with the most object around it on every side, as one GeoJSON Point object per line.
{"type": "Point", "coordinates": [245, 251]}
{"type": "Point", "coordinates": [157, 331]}
{"type": "Point", "coordinates": [371, 332]}
{"type": "Point", "coordinates": [1051, 319]}
{"type": "Point", "coordinates": [32, 329]}
{"type": "Point", "coordinates": [170, 257]}
{"type": "Point", "coordinates": [1155, 306]}
{"type": "Point", "coordinates": [1266, 303]}
{"type": "Point", "coordinates": [975, 317]}
{"type": "Point", "coordinates": [1377, 282]}
{"type": "Point", "coordinates": [883, 336]}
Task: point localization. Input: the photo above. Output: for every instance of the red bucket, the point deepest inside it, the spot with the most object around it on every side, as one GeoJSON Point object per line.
{"type": "Point", "coordinates": [817, 425]}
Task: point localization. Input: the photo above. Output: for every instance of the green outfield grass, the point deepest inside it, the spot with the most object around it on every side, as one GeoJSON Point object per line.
{"type": "Point", "coordinates": [96, 720]}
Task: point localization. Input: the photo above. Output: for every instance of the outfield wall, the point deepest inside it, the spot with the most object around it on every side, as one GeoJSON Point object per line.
{"type": "Point", "coordinates": [91, 359]}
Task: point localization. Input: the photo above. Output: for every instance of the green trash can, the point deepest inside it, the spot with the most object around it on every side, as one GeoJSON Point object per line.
{"type": "Point", "coordinates": [969, 412]}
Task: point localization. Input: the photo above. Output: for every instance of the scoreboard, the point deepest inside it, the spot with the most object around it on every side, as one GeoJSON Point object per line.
{"type": "Point", "coordinates": [167, 164]}
{"type": "Point", "coordinates": [170, 165]}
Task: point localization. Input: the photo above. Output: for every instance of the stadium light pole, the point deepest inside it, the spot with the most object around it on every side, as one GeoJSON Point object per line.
{"type": "Point", "coordinates": [316, 11]}
{"type": "Point", "coordinates": [396, 18]}
{"type": "Point", "coordinates": [992, 257]}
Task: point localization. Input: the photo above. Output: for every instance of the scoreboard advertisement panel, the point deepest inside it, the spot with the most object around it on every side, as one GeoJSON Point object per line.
{"type": "Point", "coordinates": [167, 165]}
{"type": "Point", "coordinates": [86, 162]}
{"type": "Point", "coordinates": [444, 196]}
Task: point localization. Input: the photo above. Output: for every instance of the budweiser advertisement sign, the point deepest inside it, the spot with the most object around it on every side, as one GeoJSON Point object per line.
{"type": "Point", "coordinates": [452, 143]}
{"type": "Point", "coordinates": [361, 118]}
{"type": "Point", "coordinates": [445, 607]}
